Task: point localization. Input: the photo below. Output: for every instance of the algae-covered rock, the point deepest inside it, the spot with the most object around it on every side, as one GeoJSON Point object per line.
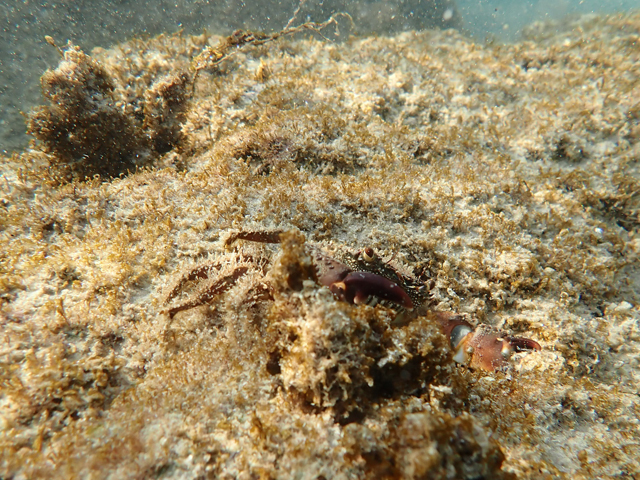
{"type": "Point", "coordinates": [84, 128]}
{"type": "Point", "coordinates": [90, 130]}
{"type": "Point", "coordinates": [504, 178]}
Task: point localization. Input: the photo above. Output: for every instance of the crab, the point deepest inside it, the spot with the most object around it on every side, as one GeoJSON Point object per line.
{"type": "Point", "coordinates": [357, 277]}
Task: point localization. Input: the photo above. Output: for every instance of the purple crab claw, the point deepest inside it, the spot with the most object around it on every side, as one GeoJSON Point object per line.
{"type": "Point", "coordinates": [358, 287]}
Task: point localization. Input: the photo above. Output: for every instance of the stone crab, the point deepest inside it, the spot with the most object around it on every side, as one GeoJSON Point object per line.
{"type": "Point", "coordinates": [356, 277]}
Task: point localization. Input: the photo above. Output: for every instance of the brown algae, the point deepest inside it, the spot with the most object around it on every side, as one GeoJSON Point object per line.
{"type": "Point", "coordinates": [508, 174]}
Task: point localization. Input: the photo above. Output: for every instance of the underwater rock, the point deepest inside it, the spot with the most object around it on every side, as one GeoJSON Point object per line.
{"type": "Point", "coordinates": [438, 153]}
{"type": "Point", "coordinates": [88, 130]}
{"type": "Point", "coordinates": [84, 128]}
{"type": "Point", "coordinates": [165, 111]}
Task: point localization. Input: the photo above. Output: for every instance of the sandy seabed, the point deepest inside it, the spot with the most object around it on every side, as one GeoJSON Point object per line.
{"type": "Point", "coordinates": [506, 176]}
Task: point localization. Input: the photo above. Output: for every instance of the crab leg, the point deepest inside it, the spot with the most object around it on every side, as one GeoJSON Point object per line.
{"type": "Point", "coordinates": [209, 291]}
{"type": "Point", "coordinates": [260, 237]}
{"type": "Point", "coordinates": [202, 271]}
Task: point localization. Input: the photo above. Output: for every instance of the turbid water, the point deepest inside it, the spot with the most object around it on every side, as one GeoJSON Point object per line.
{"type": "Point", "coordinates": [505, 177]}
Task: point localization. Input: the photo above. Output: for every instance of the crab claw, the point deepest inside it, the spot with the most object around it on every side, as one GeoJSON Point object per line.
{"type": "Point", "coordinates": [357, 287]}
{"type": "Point", "coordinates": [490, 350]}
{"type": "Point", "coordinates": [521, 344]}
{"type": "Point", "coordinates": [483, 347]}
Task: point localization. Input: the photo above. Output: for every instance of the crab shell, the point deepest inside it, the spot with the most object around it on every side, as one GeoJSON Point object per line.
{"type": "Point", "coordinates": [482, 347]}
{"type": "Point", "coordinates": [348, 283]}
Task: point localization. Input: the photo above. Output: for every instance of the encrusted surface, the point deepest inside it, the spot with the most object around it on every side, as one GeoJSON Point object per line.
{"type": "Point", "coordinates": [508, 174]}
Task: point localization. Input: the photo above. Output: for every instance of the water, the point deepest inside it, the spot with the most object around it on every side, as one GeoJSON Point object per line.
{"type": "Point", "coordinates": [24, 54]}
{"type": "Point", "coordinates": [506, 18]}
{"type": "Point", "coordinates": [505, 177]}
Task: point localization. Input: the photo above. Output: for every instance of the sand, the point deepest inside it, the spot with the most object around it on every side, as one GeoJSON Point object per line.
{"type": "Point", "coordinates": [504, 176]}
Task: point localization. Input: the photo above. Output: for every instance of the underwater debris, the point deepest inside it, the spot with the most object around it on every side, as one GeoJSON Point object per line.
{"type": "Point", "coordinates": [570, 148]}
{"type": "Point", "coordinates": [300, 136]}
{"type": "Point", "coordinates": [90, 131]}
{"type": "Point", "coordinates": [86, 129]}
{"type": "Point", "coordinates": [428, 445]}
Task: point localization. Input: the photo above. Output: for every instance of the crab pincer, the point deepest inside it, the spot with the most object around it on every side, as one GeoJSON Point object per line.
{"type": "Point", "coordinates": [359, 287]}
{"type": "Point", "coordinates": [482, 347]}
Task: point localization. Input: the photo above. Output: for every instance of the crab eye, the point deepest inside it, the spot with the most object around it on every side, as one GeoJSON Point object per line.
{"type": "Point", "coordinates": [368, 254]}
{"type": "Point", "coordinates": [458, 334]}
